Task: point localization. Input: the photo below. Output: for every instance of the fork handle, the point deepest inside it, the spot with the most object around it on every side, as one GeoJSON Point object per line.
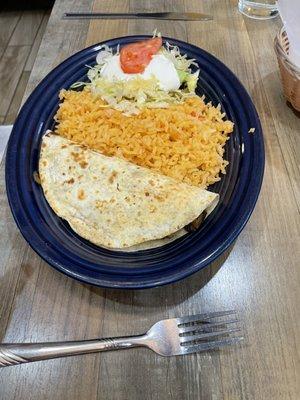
{"type": "Point", "coordinates": [14, 354]}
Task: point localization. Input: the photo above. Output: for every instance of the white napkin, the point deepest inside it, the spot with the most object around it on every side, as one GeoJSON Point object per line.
{"type": "Point", "coordinates": [289, 11]}
{"type": "Point", "coordinates": [5, 131]}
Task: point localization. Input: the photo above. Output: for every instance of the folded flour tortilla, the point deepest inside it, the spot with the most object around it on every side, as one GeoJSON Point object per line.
{"type": "Point", "coordinates": [112, 202]}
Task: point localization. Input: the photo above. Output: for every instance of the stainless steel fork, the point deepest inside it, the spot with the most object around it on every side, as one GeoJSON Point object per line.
{"type": "Point", "coordinates": [169, 337]}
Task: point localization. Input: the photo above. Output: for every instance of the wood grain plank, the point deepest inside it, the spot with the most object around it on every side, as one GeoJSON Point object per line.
{"type": "Point", "coordinates": [11, 67]}
{"type": "Point", "coordinates": [37, 42]}
{"type": "Point", "coordinates": [8, 22]}
{"type": "Point", "coordinates": [270, 79]}
{"type": "Point", "coordinates": [10, 263]}
{"type": "Point", "coordinates": [168, 28]}
{"type": "Point", "coordinates": [17, 99]}
{"type": "Point", "coordinates": [27, 27]}
{"type": "Point", "coordinates": [61, 39]}
{"type": "Point", "coordinates": [100, 30]}
{"type": "Point", "coordinates": [14, 243]}
{"type": "Point", "coordinates": [2, 49]}
{"type": "Point", "coordinates": [47, 61]}
{"type": "Point", "coordinates": [271, 369]}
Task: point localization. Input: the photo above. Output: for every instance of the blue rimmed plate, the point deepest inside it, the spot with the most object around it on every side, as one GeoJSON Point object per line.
{"type": "Point", "coordinates": [58, 245]}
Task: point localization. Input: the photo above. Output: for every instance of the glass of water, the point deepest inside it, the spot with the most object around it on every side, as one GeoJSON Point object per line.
{"type": "Point", "coordinates": [258, 9]}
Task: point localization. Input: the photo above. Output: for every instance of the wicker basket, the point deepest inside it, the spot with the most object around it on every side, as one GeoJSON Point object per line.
{"type": "Point", "coordinates": [290, 73]}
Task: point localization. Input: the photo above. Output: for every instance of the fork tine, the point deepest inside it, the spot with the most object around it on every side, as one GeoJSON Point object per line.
{"type": "Point", "coordinates": [211, 345]}
{"type": "Point", "coordinates": [189, 339]}
{"type": "Point", "coordinates": [203, 327]}
{"type": "Point", "coordinates": [203, 317]}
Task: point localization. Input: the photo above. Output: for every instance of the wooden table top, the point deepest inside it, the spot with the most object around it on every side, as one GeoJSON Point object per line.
{"type": "Point", "coordinates": [259, 275]}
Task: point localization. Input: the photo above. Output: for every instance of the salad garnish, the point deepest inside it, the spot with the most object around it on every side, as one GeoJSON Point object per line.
{"type": "Point", "coordinates": [143, 74]}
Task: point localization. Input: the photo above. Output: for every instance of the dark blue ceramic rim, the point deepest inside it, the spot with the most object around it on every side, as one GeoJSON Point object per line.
{"type": "Point", "coordinates": [59, 246]}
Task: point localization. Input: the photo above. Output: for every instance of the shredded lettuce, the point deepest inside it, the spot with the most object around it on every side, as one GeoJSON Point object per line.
{"type": "Point", "coordinates": [135, 94]}
{"type": "Point", "coordinates": [183, 66]}
{"type": "Point", "coordinates": [180, 61]}
{"type": "Point", "coordinates": [183, 76]}
{"type": "Point", "coordinates": [191, 81]}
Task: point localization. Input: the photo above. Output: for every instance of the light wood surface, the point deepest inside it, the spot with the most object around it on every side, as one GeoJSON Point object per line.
{"type": "Point", "coordinates": [259, 276]}
{"type": "Point", "coordinates": [20, 37]}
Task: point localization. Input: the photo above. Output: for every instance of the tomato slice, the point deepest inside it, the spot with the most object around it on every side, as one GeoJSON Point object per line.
{"type": "Point", "coordinates": [135, 57]}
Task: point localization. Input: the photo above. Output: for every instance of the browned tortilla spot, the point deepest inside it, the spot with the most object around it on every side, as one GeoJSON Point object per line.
{"type": "Point", "coordinates": [70, 181]}
{"type": "Point", "coordinates": [81, 194]}
{"type": "Point", "coordinates": [152, 208]}
{"type": "Point", "coordinates": [79, 157]}
{"type": "Point", "coordinates": [83, 164]}
{"type": "Point", "coordinates": [100, 203]}
{"type": "Point", "coordinates": [74, 155]}
{"type": "Point", "coordinates": [36, 177]}
{"type": "Point", "coordinates": [159, 198]}
{"type": "Point", "coordinates": [112, 177]}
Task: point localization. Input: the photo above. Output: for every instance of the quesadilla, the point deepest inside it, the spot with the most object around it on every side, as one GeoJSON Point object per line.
{"type": "Point", "coordinates": [114, 203]}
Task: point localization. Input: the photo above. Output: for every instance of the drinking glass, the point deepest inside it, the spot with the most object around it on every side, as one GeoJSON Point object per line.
{"type": "Point", "coordinates": [258, 9]}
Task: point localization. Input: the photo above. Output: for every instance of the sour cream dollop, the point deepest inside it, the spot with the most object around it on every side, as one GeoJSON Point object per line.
{"type": "Point", "coordinates": [160, 67]}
